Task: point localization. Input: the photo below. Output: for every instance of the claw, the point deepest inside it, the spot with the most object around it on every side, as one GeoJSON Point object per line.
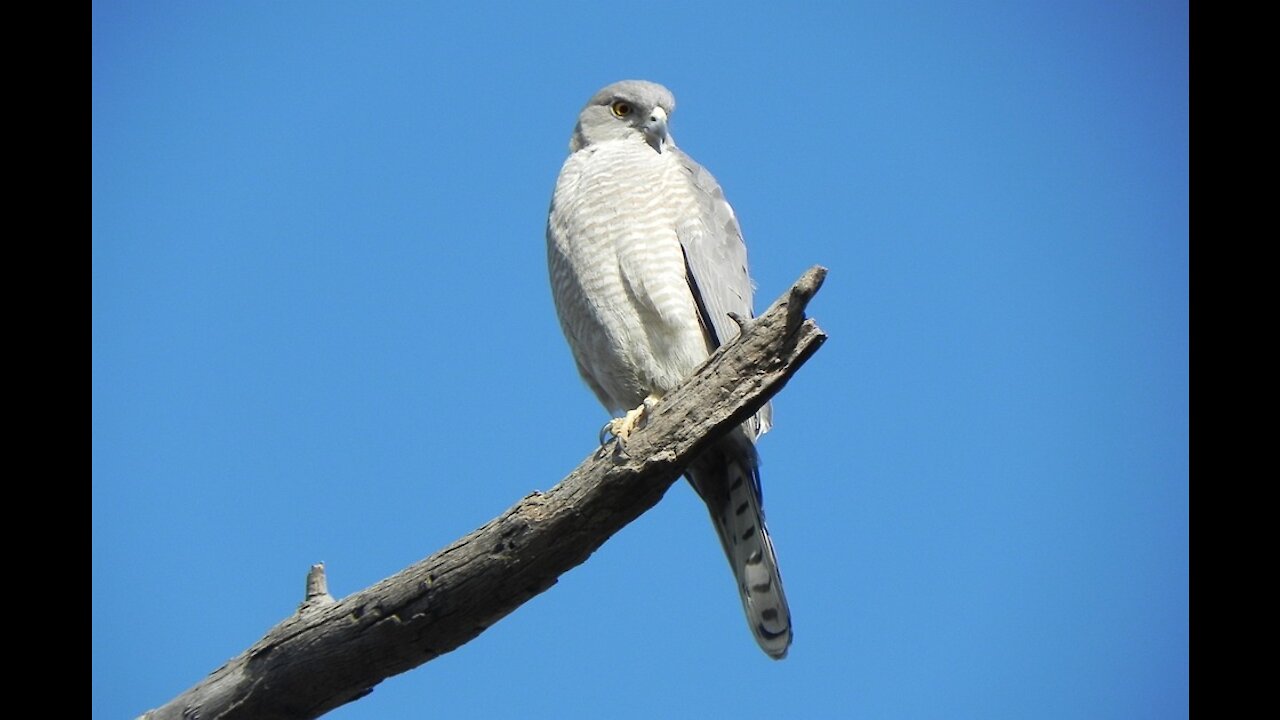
{"type": "Point", "coordinates": [606, 433]}
{"type": "Point", "coordinates": [621, 428]}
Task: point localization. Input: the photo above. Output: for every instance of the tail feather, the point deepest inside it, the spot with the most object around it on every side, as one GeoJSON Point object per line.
{"type": "Point", "coordinates": [727, 478]}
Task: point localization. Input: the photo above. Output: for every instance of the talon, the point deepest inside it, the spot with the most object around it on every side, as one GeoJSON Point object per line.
{"type": "Point", "coordinates": [621, 428]}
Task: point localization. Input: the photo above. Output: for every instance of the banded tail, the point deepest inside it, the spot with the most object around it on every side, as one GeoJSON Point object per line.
{"type": "Point", "coordinates": [727, 477]}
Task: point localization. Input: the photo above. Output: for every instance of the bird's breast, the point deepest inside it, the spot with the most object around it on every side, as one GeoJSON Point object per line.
{"type": "Point", "coordinates": [618, 271]}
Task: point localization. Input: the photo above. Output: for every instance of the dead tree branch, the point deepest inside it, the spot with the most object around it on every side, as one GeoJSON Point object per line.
{"type": "Point", "coordinates": [332, 652]}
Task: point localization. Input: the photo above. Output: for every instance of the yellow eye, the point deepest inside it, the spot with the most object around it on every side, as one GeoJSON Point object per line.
{"type": "Point", "coordinates": [621, 108]}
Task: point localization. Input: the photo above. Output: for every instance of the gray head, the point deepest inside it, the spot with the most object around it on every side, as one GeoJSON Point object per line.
{"type": "Point", "coordinates": [628, 110]}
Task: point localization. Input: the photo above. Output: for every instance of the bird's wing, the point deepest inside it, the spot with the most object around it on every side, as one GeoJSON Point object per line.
{"type": "Point", "coordinates": [716, 257]}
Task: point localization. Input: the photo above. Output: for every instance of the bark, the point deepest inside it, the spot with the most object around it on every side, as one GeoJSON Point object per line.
{"type": "Point", "coordinates": [331, 652]}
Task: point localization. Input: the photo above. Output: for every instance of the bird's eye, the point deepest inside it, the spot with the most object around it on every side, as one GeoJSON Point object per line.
{"type": "Point", "coordinates": [621, 108]}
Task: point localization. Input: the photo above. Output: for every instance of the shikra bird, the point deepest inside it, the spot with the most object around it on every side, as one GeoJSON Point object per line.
{"type": "Point", "coordinates": [648, 269]}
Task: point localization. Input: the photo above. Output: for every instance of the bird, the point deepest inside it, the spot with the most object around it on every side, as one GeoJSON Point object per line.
{"type": "Point", "coordinates": [649, 276]}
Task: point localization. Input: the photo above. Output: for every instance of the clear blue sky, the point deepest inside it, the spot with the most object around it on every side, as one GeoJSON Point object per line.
{"type": "Point", "coordinates": [322, 331]}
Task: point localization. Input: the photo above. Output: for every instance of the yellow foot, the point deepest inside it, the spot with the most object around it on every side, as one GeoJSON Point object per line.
{"type": "Point", "coordinates": [621, 428]}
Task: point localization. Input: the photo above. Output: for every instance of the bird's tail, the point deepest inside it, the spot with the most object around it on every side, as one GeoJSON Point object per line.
{"type": "Point", "coordinates": [728, 479]}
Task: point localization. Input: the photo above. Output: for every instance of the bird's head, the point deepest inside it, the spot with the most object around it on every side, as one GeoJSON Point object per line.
{"type": "Point", "coordinates": [627, 110]}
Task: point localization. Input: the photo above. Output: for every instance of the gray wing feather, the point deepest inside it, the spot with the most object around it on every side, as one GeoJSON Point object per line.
{"type": "Point", "coordinates": [717, 260]}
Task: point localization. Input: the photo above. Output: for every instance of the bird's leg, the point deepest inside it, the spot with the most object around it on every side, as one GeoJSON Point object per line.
{"type": "Point", "coordinates": [621, 428]}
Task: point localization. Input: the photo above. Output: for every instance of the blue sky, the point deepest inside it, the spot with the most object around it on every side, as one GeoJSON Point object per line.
{"type": "Point", "coordinates": [322, 331]}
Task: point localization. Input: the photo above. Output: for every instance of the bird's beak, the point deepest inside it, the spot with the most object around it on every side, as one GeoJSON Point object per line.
{"type": "Point", "coordinates": [655, 129]}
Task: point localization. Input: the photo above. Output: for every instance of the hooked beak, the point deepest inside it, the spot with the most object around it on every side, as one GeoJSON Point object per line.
{"type": "Point", "coordinates": [655, 129]}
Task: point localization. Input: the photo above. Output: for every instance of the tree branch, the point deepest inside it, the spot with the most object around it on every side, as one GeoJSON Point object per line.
{"type": "Point", "coordinates": [332, 652]}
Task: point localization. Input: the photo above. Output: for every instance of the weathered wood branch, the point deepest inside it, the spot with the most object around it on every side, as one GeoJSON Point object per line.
{"type": "Point", "coordinates": [332, 652]}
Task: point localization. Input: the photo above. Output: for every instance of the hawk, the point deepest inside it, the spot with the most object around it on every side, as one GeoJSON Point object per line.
{"type": "Point", "coordinates": [649, 271]}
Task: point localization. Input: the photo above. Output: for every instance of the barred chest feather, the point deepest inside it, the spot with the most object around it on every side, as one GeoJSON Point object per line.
{"type": "Point", "coordinates": [618, 273]}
